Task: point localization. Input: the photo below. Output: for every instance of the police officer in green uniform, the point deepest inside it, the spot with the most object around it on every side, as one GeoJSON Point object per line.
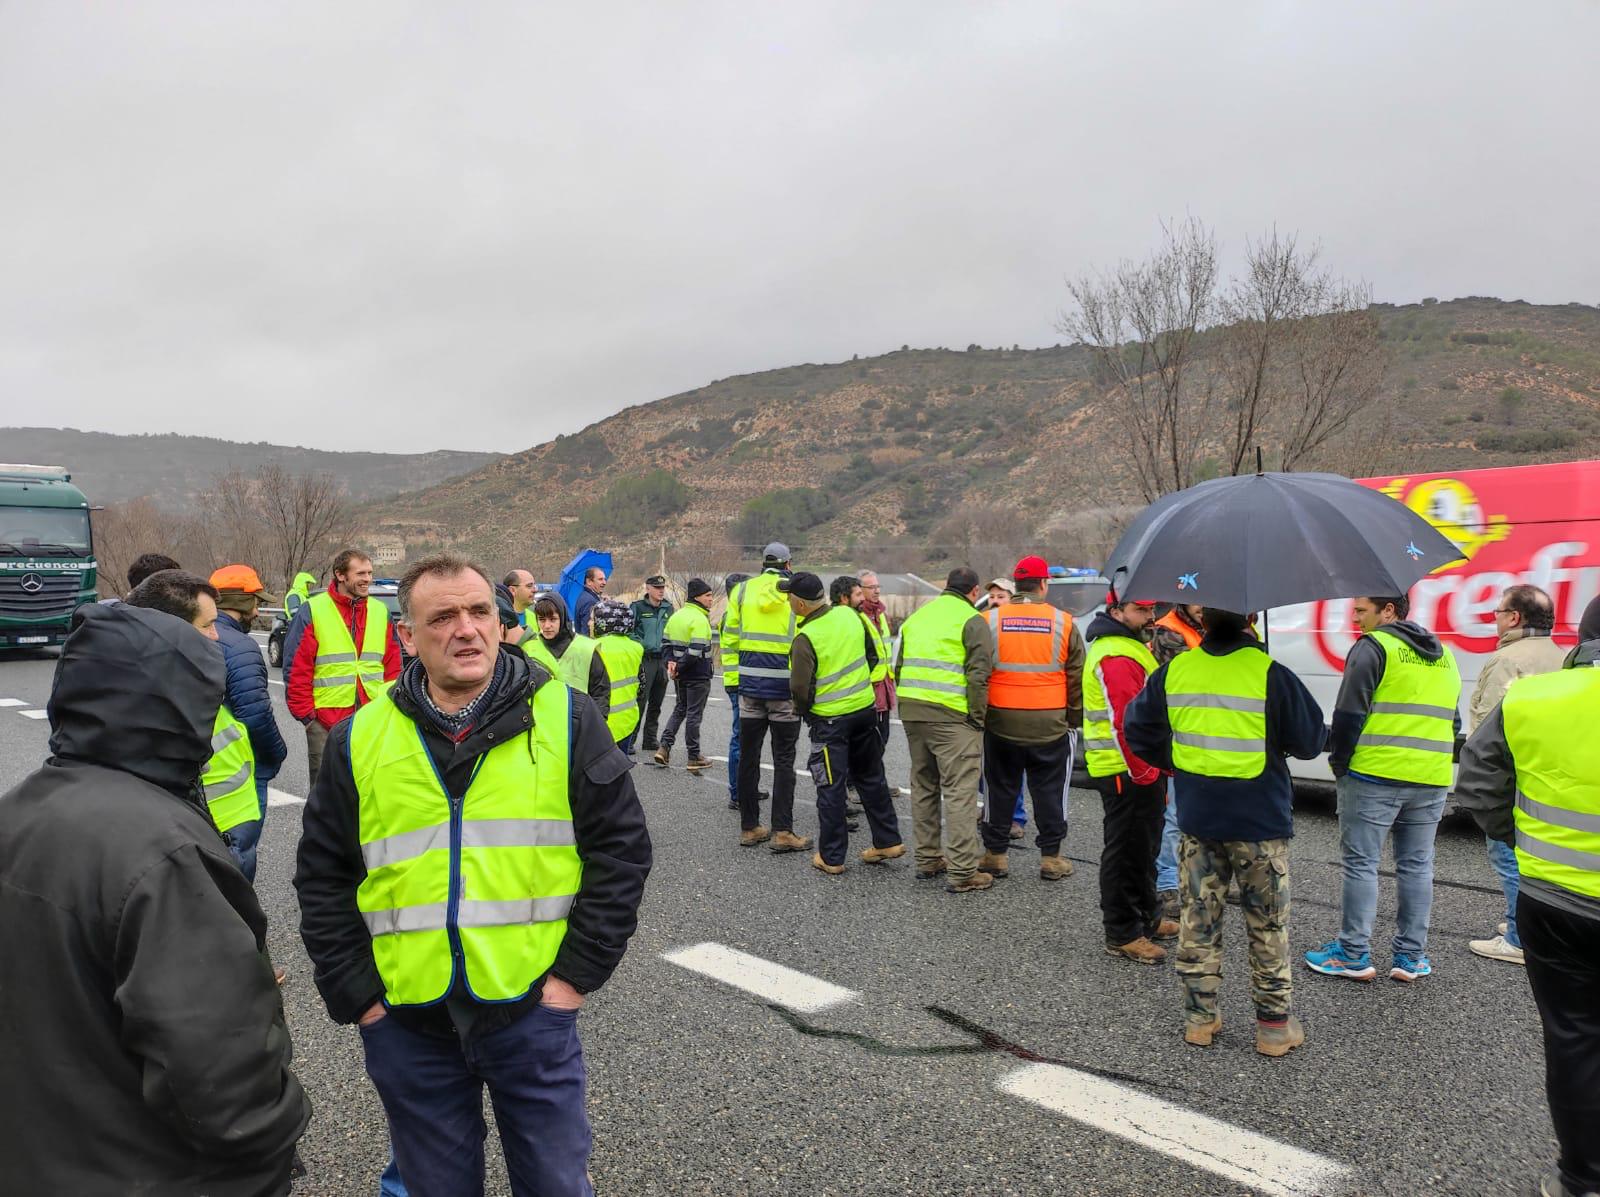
{"type": "Point", "coordinates": [471, 865]}
{"type": "Point", "coordinates": [1530, 776]}
{"type": "Point", "coordinates": [830, 679]}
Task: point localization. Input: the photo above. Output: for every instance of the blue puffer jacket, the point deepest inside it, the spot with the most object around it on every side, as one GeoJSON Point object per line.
{"type": "Point", "coordinates": [248, 696]}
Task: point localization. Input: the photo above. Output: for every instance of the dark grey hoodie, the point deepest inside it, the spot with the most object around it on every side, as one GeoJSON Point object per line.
{"type": "Point", "coordinates": [1363, 670]}
{"type": "Point", "coordinates": [144, 1044]}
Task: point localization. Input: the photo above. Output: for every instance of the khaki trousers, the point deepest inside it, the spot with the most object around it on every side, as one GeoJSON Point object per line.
{"type": "Point", "coordinates": [946, 762]}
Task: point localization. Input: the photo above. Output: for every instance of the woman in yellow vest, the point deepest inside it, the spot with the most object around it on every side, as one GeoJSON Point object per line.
{"type": "Point", "coordinates": [1391, 749]}
{"type": "Point", "coordinates": [566, 654]}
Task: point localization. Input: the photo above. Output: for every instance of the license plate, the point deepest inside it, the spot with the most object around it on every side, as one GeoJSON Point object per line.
{"type": "Point", "coordinates": [33, 639]}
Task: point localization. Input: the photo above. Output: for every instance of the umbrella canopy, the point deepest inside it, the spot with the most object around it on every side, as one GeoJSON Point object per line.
{"type": "Point", "coordinates": [572, 575]}
{"type": "Point", "coordinates": [1258, 541]}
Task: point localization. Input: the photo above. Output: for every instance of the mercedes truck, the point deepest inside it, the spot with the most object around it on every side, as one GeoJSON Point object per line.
{"type": "Point", "coordinates": [47, 565]}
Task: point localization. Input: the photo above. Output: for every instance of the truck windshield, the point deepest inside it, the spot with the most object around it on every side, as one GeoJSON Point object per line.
{"type": "Point", "coordinates": [31, 531]}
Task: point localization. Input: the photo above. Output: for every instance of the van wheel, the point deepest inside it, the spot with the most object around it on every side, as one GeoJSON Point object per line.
{"type": "Point", "coordinates": [275, 653]}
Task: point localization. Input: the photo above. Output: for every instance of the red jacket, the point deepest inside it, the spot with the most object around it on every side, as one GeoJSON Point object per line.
{"type": "Point", "coordinates": [303, 661]}
{"type": "Point", "coordinates": [1123, 678]}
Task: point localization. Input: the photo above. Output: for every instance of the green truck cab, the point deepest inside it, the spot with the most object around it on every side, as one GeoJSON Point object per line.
{"type": "Point", "coordinates": [47, 565]}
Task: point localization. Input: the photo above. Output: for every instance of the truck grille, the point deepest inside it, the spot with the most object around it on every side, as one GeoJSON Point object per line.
{"type": "Point", "coordinates": [57, 597]}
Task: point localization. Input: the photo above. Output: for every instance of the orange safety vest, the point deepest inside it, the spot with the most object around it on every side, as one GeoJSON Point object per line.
{"type": "Point", "coordinates": [1174, 622]}
{"type": "Point", "coordinates": [1030, 672]}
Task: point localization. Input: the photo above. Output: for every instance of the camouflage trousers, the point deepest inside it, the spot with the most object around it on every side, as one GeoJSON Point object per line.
{"type": "Point", "coordinates": [1262, 869]}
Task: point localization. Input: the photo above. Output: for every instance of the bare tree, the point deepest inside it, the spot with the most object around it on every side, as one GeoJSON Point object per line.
{"type": "Point", "coordinates": [1143, 323]}
{"type": "Point", "coordinates": [303, 514]}
{"type": "Point", "coordinates": [988, 537]}
{"type": "Point", "coordinates": [123, 531]}
{"type": "Point", "coordinates": [1335, 364]}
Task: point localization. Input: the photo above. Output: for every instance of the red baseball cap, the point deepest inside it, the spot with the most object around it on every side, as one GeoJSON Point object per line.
{"type": "Point", "coordinates": [1112, 600]}
{"type": "Point", "coordinates": [1031, 569]}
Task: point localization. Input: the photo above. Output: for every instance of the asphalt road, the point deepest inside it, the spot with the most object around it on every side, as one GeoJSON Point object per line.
{"type": "Point", "coordinates": [976, 1043]}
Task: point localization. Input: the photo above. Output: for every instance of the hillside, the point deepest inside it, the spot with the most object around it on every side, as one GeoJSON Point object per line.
{"type": "Point", "coordinates": [897, 443]}
{"type": "Point", "coordinates": [172, 469]}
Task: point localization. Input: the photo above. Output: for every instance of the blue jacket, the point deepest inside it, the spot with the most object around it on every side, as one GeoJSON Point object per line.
{"type": "Point", "coordinates": [248, 696]}
{"type": "Point", "coordinates": [585, 608]}
{"type": "Point", "coordinates": [1226, 808]}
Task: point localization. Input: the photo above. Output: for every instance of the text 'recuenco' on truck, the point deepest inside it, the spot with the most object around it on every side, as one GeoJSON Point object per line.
{"type": "Point", "coordinates": [47, 565]}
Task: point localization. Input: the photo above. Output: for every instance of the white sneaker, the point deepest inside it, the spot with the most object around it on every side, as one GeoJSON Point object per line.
{"type": "Point", "coordinates": [1501, 927]}
{"type": "Point", "coordinates": [1497, 949]}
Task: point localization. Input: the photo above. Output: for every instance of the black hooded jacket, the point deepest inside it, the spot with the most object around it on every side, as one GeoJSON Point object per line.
{"type": "Point", "coordinates": [608, 823]}
{"type": "Point", "coordinates": [142, 1041]}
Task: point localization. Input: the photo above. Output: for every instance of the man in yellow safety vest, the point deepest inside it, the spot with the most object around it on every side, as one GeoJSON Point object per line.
{"type": "Point", "coordinates": [1530, 776]}
{"type": "Point", "coordinates": [470, 868]}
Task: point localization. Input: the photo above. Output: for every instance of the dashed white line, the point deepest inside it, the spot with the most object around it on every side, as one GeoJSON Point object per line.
{"type": "Point", "coordinates": [1229, 1151]}
{"type": "Point", "coordinates": [764, 978]}
{"type": "Point", "coordinates": [34, 714]}
{"type": "Point", "coordinates": [282, 798]}
{"type": "Point", "coordinates": [12, 702]}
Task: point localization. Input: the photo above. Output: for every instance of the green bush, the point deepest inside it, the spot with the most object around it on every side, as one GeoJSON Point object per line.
{"type": "Point", "coordinates": [586, 450]}
{"type": "Point", "coordinates": [633, 505]}
{"type": "Point", "coordinates": [782, 515]}
{"type": "Point", "coordinates": [1542, 441]}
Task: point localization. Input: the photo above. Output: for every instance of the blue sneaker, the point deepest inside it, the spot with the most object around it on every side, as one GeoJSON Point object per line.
{"type": "Point", "coordinates": [1409, 968]}
{"type": "Point", "coordinates": [1332, 960]}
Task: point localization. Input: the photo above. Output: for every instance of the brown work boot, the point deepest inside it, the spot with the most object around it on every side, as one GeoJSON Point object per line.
{"type": "Point", "coordinates": [879, 855]}
{"type": "Point", "coordinates": [1140, 951]}
{"type": "Point", "coordinates": [697, 763]}
{"type": "Point", "coordinates": [662, 756]}
{"type": "Point", "coordinates": [967, 885]}
{"type": "Point", "coordinates": [1165, 930]}
{"type": "Point", "coordinates": [929, 872]}
{"type": "Point", "coordinates": [756, 835]}
{"type": "Point", "coordinates": [818, 863]}
{"type": "Point", "coordinates": [1054, 868]}
{"type": "Point", "coordinates": [1017, 831]}
{"type": "Point", "coordinates": [1279, 1038]}
{"type": "Point", "coordinates": [279, 976]}
{"type": "Point", "coordinates": [788, 841]}
{"type": "Point", "coordinates": [1170, 906]}
{"type": "Point", "coordinates": [994, 864]}
{"type": "Point", "coordinates": [1200, 1034]}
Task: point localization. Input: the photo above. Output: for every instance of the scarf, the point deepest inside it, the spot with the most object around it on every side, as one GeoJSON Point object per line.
{"type": "Point", "coordinates": [457, 724]}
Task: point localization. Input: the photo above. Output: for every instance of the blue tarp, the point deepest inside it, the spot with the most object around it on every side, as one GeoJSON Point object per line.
{"type": "Point", "coordinates": [572, 576]}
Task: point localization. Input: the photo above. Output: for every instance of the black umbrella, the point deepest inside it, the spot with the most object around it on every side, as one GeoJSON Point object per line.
{"type": "Point", "coordinates": [1258, 541]}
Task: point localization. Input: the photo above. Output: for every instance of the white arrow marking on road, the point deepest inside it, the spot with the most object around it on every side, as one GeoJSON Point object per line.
{"type": "Point", "coordinates": [12, 702]}
{"type": "Point", "coordinates": [765, 979]}
{"type": "Point", "coordinates": [1230, 1151]}
{"type": "Point", "coordinates": [34, 714]}
{"type": "Point", "coordinates": [280, 798]}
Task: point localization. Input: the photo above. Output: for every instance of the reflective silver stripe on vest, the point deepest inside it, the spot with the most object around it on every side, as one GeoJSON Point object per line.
{"type": "Point", "coordinates": [1413, 708]}
{"type": "Point", "coordinates": [918, 683]}
{"type": "Point", "coordinates": [1102, 746]}
{"type": "Point", "coordinates": [225, 737]}
{"type": "Point", "coordinates": [1097, 716]}
{"type": "Point", "coordinates": [1372, 740]}
{"type": "Point", "coordinates": [475, 833]}
{"type": "Point", "coordinates": [858, 663]}
{"type": "Point", "coordinates": [322, 683]}
{"type": "Point", "coordinates": [1220, 743]}
{"type": "Point", "coordinates": [1558, 816]}
{"type": "Point", "coordinates": [927, 663]}
{"type": "Point", "coordinates": [433, 916]}
{"type": "Point", "coordinates": [757, 671]}
{"type": "Point", "coordinates": [336, 658]}
{"type": "Point", "coordinates": [1047, 667]}
{"type": "Point", "coordinates": [216, 789]}
{"type": "Point", "coordinates": [855, 689]}
{"type": "Point", "coordinates": [765, 637]}
{"type": "Point", "coordinates": [618, 707]}
{"type": "Point", "coordinates": [620, 687]}
{"type": "Point", "coordinates": [1557, 854]}
{"type": "Point", "coordinates": [1218, 702]}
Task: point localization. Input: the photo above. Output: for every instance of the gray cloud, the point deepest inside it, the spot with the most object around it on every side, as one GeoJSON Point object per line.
{"type": "Point", "coordinates": [475, 226]}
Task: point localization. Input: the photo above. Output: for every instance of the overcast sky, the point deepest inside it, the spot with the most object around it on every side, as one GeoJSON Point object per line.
{"type": "Point", "coordinates": [469, 225]}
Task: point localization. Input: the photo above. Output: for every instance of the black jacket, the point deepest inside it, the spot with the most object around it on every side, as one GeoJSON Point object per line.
{"type": "Point", "coordinates": [607, 820]}
{"type": "Point", "coordinates": [1226, 808]}
{"type": "Point", "coordinates": [599, 680]}
{"type": "Point", "coordinates": [144, 1047]}
{"type": "Point", "coordinates": [1363, 670]}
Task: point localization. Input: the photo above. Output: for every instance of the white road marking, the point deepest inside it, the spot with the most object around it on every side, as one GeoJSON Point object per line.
{"type": "Point", "coordinates": [765, 979]}
{"type": "Point", "coordinates": [764, 765]}
{"type": "Point", "coordinates": [281, 798]}
{"type": "Point", "coordinates": [12, 702]}
{"type": "Point", "coordinates": [272, 681]}
{"type": "Point", "coordinates": [1240, 1155]}
{"type": "Point", "coordinates": [34, 714]}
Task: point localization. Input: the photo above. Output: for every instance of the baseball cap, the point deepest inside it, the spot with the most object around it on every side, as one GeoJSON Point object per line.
{"type": "Point", "coordinates": [1112, 600]}
{"type": "Point", "coordinates": [655, 580]}
{"type": "Point", "coordinates": [1031, 569]}
{"type": "Point", "coordinates": [241, 578]}
{"type": "Point", "coordinates": [776, 551]}
{"type": "Point", "coordinates": [1005, 584]}
{"type": "Point", "coordinates": [807, 586]}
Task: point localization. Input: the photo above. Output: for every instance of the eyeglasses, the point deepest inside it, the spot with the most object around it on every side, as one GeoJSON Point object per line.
{"type": "Point", "coordinates": [1504, 611]}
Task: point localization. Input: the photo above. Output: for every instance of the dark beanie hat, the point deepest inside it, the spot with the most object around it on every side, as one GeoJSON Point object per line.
{"type": "Point", "coordinates": [697, 587]}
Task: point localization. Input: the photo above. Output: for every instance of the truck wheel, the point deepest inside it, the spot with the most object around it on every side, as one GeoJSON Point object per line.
{"type": "Point", "coordinates": [274, 653]}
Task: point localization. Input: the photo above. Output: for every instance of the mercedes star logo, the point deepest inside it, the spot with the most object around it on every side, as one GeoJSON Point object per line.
{"type": "Point", "coordinates": [32, 583]}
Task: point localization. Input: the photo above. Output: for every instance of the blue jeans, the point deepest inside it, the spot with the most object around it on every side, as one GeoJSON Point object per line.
{"type": "Point", "coordinates": [245, 838]}
{"type": "Point", "coordinates": [1167, 858]}
{"type": "Point", "coordinates": [1020, 815]}
{"type": "Point", "coordinates": [1504, 859]}
{"type": "Point", "coordinates": [733, 747]}
{"type": "Point", "coordinates": [1368, 812]}
{"type": "Point", "coordinates": [432, 1092]}
{"type": "Point", "coordinates": [390, 1184]}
